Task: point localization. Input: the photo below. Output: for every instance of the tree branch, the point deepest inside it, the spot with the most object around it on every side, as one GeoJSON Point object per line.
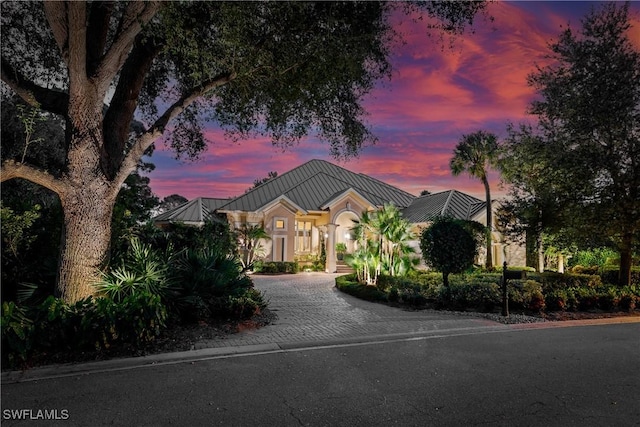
{"type": "Point", "coordinates": [98, 28]}
{"type": "Point", "coordinates": [77, 44]}
{"type": "Point", "coordinates": [37, 96]}
{"type": "Point", "coordinates": [136, 15]}
{"type": "Point", "coordinates": [56, 13]}
{"type": "Point", "coordinates": [11, 169]}
{"type": "Point", "coordinates": [155, 131]}
{"type": "Point", "coordinates": [117, 121]}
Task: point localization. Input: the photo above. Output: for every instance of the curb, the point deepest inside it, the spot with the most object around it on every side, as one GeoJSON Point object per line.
{"type": "Point", "coordinates": [192, 356]}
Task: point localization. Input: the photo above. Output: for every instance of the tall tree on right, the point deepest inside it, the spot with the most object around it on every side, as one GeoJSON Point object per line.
{"type": "Point", "coordinates": [475, 154]}
{"type": "Point", "coordinates": [588, 130]}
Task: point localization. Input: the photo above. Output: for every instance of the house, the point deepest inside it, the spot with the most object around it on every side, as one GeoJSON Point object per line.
{"type": "Point", "coordinates": [316, 203]}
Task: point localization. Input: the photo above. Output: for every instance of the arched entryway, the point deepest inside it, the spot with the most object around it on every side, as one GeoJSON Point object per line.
{"type": "Point", "coordinates": [344, 223]}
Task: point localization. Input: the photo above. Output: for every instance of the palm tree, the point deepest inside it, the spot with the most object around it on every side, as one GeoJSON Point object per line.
{"type": "Point", "coordinates": [249, 237]}
{"type": "Point", "coordinates": [474, 154]}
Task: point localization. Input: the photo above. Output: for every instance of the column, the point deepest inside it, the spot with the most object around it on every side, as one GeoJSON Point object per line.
{"type": "Point", "coordinates": [331, 248]}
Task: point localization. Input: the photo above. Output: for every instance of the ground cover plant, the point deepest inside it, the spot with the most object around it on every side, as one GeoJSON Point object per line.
{"type": "Point", "coordinates": [150, 289]}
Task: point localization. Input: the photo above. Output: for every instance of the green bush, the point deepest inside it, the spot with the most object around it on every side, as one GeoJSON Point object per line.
{"type": "Point", "coordinates": [350, 285]}
{"type": "Point", "coordinates": [143, 270]}
{"type": "Point", "coordinates": [463, 294]}
{"type": "Point", "coordinates": [551, 280]}
{"type": "Point", "coordinates": [609, 274]}
{"type": "Point", "coordinates": [204, 280]}
{"type": "Point", "coordinates": [89, 324]}
{"type": "Point", "coordinates": [276, 267]}
{"type": "Point", "coordinates": [482, 291]}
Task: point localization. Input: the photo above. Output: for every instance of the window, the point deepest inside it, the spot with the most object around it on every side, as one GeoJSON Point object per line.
{"type": "Point", "coordinates": [303, 236]}
{"type": "Point", "coordinates": [281, 224]}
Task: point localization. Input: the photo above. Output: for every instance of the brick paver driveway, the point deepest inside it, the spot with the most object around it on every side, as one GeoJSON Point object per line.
{"type": "Point", "coordinates": [311, 310]}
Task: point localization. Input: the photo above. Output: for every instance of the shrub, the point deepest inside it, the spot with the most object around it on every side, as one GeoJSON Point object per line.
{"type": "Point", "coordinates": [463, 294]}
{"type": "Point", "coordinates": [551, 280]}
{"type": "Point", "coordinates": [276, 267]}
{"type": "Point", "coordinates": [609, 275]}
{"type": "Point", "coordinates": [350, 285]}
{"type": "Point", "coordinates": [17, 331]}
{"type": "Point", "coordinates": [55, 326]}
{"type": "Point", "coordinates": [629, 297]}
{"type": "Point", "coordinates": [204, 279]}
{"type": "Point", "coordinates": [142, 271]}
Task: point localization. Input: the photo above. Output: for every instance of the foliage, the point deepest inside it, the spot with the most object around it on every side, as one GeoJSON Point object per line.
{"type": "Point", "coordinates": [143, 271]}
{"type": "Point", "coordinates": [350, 284]}
{"type": "Point", "coordinates": [279, 69]}
{"type": "Point", "coordinates": [589, 258]}
{"type": "Point", "coordinates": [258, 182]}
{"type": "Point", "coordinates": [89, 324]}
{"type": "Point", "coordinates": [203, 275]}
{"type": "Point", "coordinates": [172, 201]}
{"type": "Point", "coordinates": [177, 236]}
{"type": "Point", "coordinates": [591, 190]}
{"type": "Point", "coordinates": [341, 247]}
{"type": "Point", "coordinates": [382, 245]}
{"type": "Point", "coordinates": [133, 207]}
{"type": "Point", "coordinates": [15, 228]}
{"type": "Point", "coordinates": [249, 243]}
{"type": "Point", "coordinates": [474, 154]}
{"type": "Point", "coordinates": [279, 267]}
{"type": "Point", "coordinates": [541, 293]}
{"type": "Point", "coordinates": [448, 246]}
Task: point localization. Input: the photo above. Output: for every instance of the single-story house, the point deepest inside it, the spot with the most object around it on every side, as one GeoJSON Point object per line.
{"type": "Point", "coordinates": [318, 202]}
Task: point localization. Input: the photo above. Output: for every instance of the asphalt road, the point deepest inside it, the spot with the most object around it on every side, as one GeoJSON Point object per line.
{"type": "Point", "coordinates": [540, 376]}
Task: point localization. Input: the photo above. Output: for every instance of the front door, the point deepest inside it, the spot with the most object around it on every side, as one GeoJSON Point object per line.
{"type": "Point", "coordinates": [279, 248]}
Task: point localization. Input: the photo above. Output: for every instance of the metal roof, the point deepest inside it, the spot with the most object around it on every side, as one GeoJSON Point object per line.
{"type": "Point", "coordinates": [451, 203]}
{"type": "Point", "coordinates": [312, 184]}
{"type": "Point", "coordinates": [194, 211]}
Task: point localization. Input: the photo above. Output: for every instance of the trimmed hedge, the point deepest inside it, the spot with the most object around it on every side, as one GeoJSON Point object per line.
{"type": "Point", "coordinates": [349, 285]}
{"type": "Point", "coordinates": [276, 267]}
{"type": "Point", "coordinates": [482, 292]}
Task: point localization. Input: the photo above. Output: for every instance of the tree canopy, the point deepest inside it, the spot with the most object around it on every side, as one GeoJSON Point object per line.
{"type": "Point", "coordinates": [449, 246]}
{"type": "Point", "coordinates": [281, 69]}
{"type": "Point", "coordinates": [579, 167]}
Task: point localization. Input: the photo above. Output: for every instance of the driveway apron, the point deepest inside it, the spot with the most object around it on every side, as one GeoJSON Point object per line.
{"type": "Point", "coordinates": [312, 311]}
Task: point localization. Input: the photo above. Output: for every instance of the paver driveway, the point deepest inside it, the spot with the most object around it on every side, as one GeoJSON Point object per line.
{"type": "Point", "coordinates": [311, 310]}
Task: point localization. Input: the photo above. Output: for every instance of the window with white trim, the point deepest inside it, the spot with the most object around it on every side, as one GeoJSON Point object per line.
{"type": "Point", "coordinates": [303, 236]}
{"type": "Point", "coordinates": [279, 223]}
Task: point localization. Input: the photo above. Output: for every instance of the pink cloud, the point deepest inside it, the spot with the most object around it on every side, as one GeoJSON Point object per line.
{"type": "Point", "coordinates": [433, 98]}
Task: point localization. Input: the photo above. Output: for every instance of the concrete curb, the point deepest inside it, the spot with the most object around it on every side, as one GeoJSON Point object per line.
{"type": "Point", "coordinates": [121, 364]}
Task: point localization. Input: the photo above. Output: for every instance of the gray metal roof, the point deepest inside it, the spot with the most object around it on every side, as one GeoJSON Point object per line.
{"type": "Point", "coordinates": [312, 184]}
{"type": "Point", "coordinates": [317, 182]}
{"type": "Point", "coordinates": [194, 211]}
{"type": "Point", "coordinates": [446, 203]}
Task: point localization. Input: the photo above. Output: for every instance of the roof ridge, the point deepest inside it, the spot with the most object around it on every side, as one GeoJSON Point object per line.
{"type": "Point", "coordinates": [446, 204]}
{"type": "Point", "coordinates": [386, 184]}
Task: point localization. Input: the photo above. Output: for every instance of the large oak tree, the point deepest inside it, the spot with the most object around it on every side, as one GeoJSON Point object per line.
{"type": "Point", "coordinates": [281, 69]}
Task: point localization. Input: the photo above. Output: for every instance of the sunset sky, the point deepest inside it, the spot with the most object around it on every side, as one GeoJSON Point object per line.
{"type": "Point", "coordinates": [433, 98]}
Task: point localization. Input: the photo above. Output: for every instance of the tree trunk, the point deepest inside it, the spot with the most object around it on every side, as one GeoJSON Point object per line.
{"type": "Point", "coordinates": [85, 242]}
{"type": "Point", "coordinates": [624, 276]}
{"type": "Point", "coordinates": [487, 191]}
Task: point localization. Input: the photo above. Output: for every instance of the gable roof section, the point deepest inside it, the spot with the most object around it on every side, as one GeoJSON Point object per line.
{"type": "Point", "coordinates": [446, 203]}
{"type": "Point", "coordinates": [312, 184]}
{"type": "Point", "coordinates": [195, 211]}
